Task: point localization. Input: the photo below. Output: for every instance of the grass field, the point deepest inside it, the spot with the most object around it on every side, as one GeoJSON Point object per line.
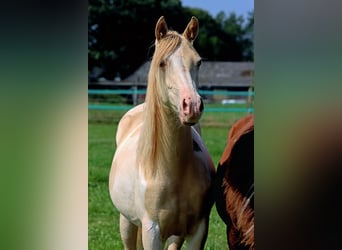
{"type": "Point", "coordinates": [103, 219]}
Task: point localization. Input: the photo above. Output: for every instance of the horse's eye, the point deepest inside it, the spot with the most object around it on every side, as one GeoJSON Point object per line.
{"type": "Point", "coordinates": [198, 64]}
{"type": "Point", "coordinates": [162, 63]}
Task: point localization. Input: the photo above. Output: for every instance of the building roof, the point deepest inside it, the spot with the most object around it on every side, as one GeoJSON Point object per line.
{"type": "Point", "coordinates": [219, 74]}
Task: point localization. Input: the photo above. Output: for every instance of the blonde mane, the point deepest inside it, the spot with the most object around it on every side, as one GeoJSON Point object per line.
{"type": "Point", "coordinates": [155, 134]}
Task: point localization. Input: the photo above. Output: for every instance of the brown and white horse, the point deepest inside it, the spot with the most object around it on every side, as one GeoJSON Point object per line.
{"type": "Point", "coordinates": [235, 185]}
{"type": "Point", "coordinates": [161, 174]}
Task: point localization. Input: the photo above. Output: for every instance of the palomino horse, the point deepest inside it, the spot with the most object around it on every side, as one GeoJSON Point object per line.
{"type": "Point", "coordinates": [235, 185]}
{"type": "Point", "coordinates": [161, 174]}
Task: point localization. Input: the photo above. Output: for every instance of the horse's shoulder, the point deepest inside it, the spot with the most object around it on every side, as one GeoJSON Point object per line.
{"type": "Point", "coordinates": [129, 122]}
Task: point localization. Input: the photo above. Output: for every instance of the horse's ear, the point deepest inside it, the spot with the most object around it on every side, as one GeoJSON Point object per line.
{"type": "Point", "coordinates": [161, 28]}
{"type": "Point", "coordinates": [191, 31]}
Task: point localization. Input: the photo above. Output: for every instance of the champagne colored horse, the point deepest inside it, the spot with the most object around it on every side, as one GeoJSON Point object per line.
{"type": "Point", "coordinates": [161, 174]}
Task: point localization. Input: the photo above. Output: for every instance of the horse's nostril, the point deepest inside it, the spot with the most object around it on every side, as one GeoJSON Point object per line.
{"type": "Point", "coordinates": [201, 105]}
{"type": "Point", "coordinates": [186, 106]}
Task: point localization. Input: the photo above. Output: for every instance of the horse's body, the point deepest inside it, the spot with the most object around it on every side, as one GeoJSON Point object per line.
{"type": "Point", "coordinates": [161, 173]}
{"type": "Point", "coordinates": [235, 185]}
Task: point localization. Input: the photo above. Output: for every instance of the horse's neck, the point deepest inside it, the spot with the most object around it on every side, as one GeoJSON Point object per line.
{"type": "Point", "coordinates": [164, 142]}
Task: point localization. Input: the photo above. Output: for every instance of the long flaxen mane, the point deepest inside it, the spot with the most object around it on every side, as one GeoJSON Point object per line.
{"type": "Point", "coordinates": [155, 134]}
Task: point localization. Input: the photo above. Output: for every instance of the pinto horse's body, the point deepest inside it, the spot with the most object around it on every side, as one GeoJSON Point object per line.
{"type": "Point", "coordinates": [235, 185]}
{"type": "Point", "coordinates": [161, 175]}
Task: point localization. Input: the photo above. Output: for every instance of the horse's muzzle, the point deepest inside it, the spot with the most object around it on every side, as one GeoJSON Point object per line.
{"type": "Point", "coordinates": [191, 110]}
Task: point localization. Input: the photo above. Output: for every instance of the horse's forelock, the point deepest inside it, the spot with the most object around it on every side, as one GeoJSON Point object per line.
{"type": "Point", "coordinates": [165, 47]}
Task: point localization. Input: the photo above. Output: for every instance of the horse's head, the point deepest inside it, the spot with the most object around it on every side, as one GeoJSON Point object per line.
{"type": "Point", "coordinates": [176, 64]}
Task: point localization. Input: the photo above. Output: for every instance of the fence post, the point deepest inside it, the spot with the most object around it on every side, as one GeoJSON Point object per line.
{"type": "Point", "coordinates": [250, 98]}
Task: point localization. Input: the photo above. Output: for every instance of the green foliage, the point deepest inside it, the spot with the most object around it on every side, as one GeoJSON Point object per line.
{"type": "Point", "coordinates": [121, 34]}
{"type": "Point", "coordinates": [241, 31]}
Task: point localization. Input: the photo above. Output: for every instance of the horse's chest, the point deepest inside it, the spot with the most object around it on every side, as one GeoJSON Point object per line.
{"type": "Point", "coordinates": [175, 207]}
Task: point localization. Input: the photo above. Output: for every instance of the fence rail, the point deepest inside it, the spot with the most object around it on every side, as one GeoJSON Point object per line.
{"type": "Point", "coordinates": [135, 92]}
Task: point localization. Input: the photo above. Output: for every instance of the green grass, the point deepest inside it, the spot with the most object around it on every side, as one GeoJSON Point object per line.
{"type": "Point", "coordinates": [103, 218]}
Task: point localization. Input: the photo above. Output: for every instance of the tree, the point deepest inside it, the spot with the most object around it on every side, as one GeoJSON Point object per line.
{"type": "Point", "coordinates": [121, 34]}
{"type": "Point", "coordinates": [248, 38]}
{"type": "Point", "coordinates": [242, 33]}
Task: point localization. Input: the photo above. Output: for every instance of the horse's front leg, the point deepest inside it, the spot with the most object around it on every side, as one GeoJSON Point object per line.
{"type": "Point", "coordinates": [198, 238]}
{"type": "Point", "coordinates": [128, 233]}
{"type": "Point", "coordinates": [151, 235]}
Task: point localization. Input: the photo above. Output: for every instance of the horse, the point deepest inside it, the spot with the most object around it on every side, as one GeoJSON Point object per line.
{"type": "Point", "coordinates": [161, 176]}
{"type": "Point", "coordinates": [234, 185]}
